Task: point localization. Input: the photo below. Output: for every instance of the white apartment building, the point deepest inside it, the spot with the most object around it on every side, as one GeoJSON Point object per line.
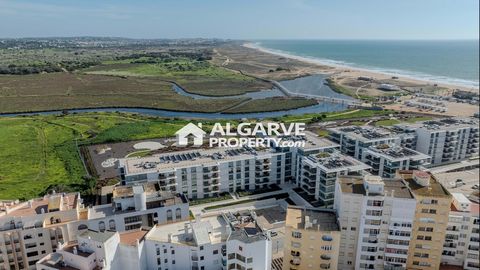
{"type": "Point", "coordinates": [354, 139]}
{"type": "Point", "coordinates": [319, 172]}
{"type": "Point", "coordinates": [461, 247]}
{"type": "Point", "coordinates": [446, 140]}
{"type": "Point", "coordinates": [386, 159]}
{"type": "Point", "coordinates": [134, 207]}
{"type": "Point", "coordinates": [201, 173]}
{"type": "Point", "coordinates": [227, 241]}
{"type": "Point", "coordinates": [31, 230]}
{"type": "Point", "coordinates": [376, 220]}
{"type": "Point", "coordinates": [99, 250]}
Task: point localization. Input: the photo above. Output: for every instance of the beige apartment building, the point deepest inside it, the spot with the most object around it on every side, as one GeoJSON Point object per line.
{"type": "Point", "coordinates": [312, 239]}
{"type": "Point", "coordinates": [430, 222]}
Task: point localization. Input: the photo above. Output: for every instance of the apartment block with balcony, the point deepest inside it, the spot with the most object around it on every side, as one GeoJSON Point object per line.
{"type": "Point", "coordinates": [226, 241]}
{"type": "Point", "coordinates": [386, 159]}
{"type": "Point", "coordinates": [320, 171]}
{"type": "Point", "coordinates": [431, 219]}
{"type": "Point", "coordinates": [446, 140]}
{"type": "Point", "coordinates": [354, 139]}
{"type": "Point", "coordinates": [134, 207]}
{"type": "Point", "coordinates": [461, 247]}
{"type": "Point", "coordinates": [312, 239]}
{"type": "Point", "coordinates": [206, 173]}
{"type": "Point", "coordinates": [376, 219]}
{"type": "Point", "coordinates": [30, 230]}
{"type": "Point", "coordinates": [99, 250]}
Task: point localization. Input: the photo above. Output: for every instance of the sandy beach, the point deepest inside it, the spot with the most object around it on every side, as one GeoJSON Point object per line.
{"type": "Point", "coordinates": [260, 62]}
{"type": "Point", "coordinates": [343, 73]}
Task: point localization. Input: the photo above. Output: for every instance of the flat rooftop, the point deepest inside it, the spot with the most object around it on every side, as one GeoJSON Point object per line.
{"type": "Point", "coordinates": [434, 189]}
{"type": "Point", "coordinates": [271, 217]}
{"type": "Point", "coordinates": [364, 133]}
{"type": "Point", "coordinates": [355, 185]}
{"type": "Point", "coordinates": [173, 160]}
{"type": "Point", "coordinates": [152, 191]}
{"type": "Point", "coordinates": [334, 161]}
{"type": "Point", "coordinates": [130, 238]}
{"type": "Point", "coordinates": [313, 141]}
{"type": "Point", "coordinates": [97, 236]}
{"type": "Point", "coordinates": [312, 219]}
{"type": "Point", "coordinates": [212, 156]}
{"type": "Point", "coordinates": [396, 152]}
{"type": "Point", "coordinates": [446, 124]}
{"type": "Point", "coordinates": [55, 261]}
{"type": "Point", "coordinates": [468, 177]}
{"type": "Point", "coordinates": [212, 229]}
{"type": "Point", "coordinates": [48, 202]}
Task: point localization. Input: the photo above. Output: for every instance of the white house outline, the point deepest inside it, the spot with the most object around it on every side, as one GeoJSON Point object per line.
{"type": "Point", "coordinates": [190, 129]}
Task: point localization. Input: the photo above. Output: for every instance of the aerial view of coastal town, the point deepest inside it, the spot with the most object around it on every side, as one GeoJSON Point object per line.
{"type": "Point", "coordinates": [249, 135]}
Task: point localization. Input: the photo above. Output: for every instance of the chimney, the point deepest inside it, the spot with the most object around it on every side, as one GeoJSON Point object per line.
{"type": "Point", "coordinates": [75, 251]}
{"type": "Point", "coordinates": [30, 204]}
{"type": "Point", "coordinates": [393, 193]}
{"type": "Point", "coordinates": [186, 227]}
{"type": "Point", "coordinates": [198, 218]}
{"type": "Point", "coordinates": [169, 237]}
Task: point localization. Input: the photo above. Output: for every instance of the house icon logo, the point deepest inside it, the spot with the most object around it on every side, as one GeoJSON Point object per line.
{"type": "Point", "coordinates": [190, 132]}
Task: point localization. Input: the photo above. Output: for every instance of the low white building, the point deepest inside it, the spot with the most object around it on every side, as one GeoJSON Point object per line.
{"type": "Point", "coordinates": [228, 241]}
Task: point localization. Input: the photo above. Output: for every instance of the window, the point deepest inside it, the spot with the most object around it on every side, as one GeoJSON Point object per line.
{"type": "Point", "coordinates": [296, 234]}
{"type": "Point", "coordinates": [111, 225]}
{"type": "Point", "coordinates": [249, 260]}
{"type": "Point", "coordinates": [178, 213]}
{"type": "Point", "coordinates": [101, 226]}
{"type": "Point", "coordinates": [215, 251]}
{"type": "Point", "coordinates": [169, 215]}
{"type": "Point", "coordinates": [201, 247]}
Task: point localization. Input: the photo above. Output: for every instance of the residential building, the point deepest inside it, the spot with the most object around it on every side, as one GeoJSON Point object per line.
{"type": "Point", "coordinates": [376, 219]}
{"type": "Point", "coordinates": [202, 173]}
{"type": "Point", "coordinates": [354, 139]}
{"type": "Point", "coordinates": [461, 247]}
{"type": "Point", "coordinates": [312, 239]}
{"type": "Point", "coordinates": [392, 224]}
{"type": "Point", "coordinates": [431, 219]}
{"type": "Point", "coordinates": [134, 207]}
{"type": "Point", "coordinates": [386, 159]}
{"type": "Point", "coordinates": [319, 172]}
{"type": "Point", "coordinates": [99, 250]}
{"type": "Point", "coordinates": [31, 230]}
{"type": "Point", "coordinates": [446, 140]}
{"type": "Point", "coordinates": [226, 241]}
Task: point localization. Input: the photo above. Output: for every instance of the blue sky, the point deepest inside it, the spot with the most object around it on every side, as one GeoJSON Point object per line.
{"type": "Point", "coordinates": [243, 19]}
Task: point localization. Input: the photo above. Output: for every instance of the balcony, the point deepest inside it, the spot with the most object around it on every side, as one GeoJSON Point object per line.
{"type": "Point", "coordinates": [295, 253]}
{"type": "Point", "coordinates": [295, 261]}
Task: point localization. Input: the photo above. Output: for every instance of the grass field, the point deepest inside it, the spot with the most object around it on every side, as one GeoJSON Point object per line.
{"type": "Point", "coordinates": [38, 153]}
{"type": "Point", "coordinates": [58, 91]}
{"type": "Point", "coordinates": [331, 116]}
{"type": "Point", "coordinates": [198, 77]}
{"type": "Point", "coordinates": [271, 104]}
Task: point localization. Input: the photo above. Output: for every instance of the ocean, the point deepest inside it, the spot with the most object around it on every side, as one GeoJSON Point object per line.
{"type": "Point", "coordinates": [453, 62]}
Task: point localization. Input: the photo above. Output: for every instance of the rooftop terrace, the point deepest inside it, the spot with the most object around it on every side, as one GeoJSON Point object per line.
{"type": "Point", "coordinates": [331, 161]}
{"type": "Point", "coordinates": [355, 185]}
{"type": "Point", "coordinates": [364, 133]}
{"type": "Point", "coordinates": [392, 151]}
{"type": "Point", "coordinates": [312, 219]}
